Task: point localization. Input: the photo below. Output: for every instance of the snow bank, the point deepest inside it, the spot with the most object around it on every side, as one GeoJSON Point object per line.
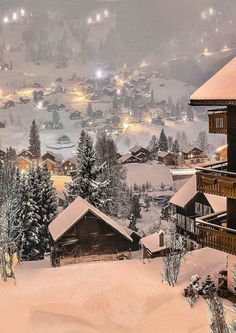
{"type": "Point", "coordinates": [119, 297]}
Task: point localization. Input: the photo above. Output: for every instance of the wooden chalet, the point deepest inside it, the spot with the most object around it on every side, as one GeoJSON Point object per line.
{"type": "Point", "coordinates": [82, 232]}
{"type": "Point", "coordinates": [166, 157]}
{"type": "Point", "coordinates": [128, 158]}
{"type": "Point", "coordinates": [219, 230]}
{"type": "Point", "coordinates": [25, 153]}
{"type": "Point", "coordinates": [153, 245]}
{"type": "Point", "coordinates": [192, 153]}
{"type": "Point", "coordinates": [139, 151]}
{"type": "Point", "coordinates": [50, 164]}
{"type": "Point", "coordinates": [188, 204]}
{"type": "Point", "coordinates": [24, 163]}
{"type": "Point", "coordinates": [49, 155]}
{"type": "Point", "coordinates": [68, 166]}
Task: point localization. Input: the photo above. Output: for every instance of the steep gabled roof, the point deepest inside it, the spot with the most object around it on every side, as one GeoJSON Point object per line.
{"type": "Point", "coordinates": [164, 153]}
{"type": "Point", "coordinates": [219, 90]}
{"type": "Point", "coordinates": [74, 212]}
{"type": "Point", "coordinates": [126, 157]}
{"type": "Point", "coordinates": [189, 190]}
{"type": "Point", "coordinates": [188, 149]}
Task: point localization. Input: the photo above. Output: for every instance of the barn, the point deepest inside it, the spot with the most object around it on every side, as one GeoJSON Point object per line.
{"type": "Point", "coordinates": [82, 232]}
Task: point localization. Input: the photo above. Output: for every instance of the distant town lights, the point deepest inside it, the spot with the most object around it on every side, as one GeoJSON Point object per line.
{"type": "Point", "coordinates": [6, 19]}
{"type": "Point", "coordinates": [89, 20]}
{"type": "Point", "coordinates": [14, 16]}
{"type": "Point", "coordinates": [106, 13]}
{"type": "Point", "coordinates": [211, 11]}
{"type": "Point", "coordinates": [22, 11]}
{"type": "Point", "coordinates": [99, 74]}
{"type": "Point", "coordinates": [98, 17]}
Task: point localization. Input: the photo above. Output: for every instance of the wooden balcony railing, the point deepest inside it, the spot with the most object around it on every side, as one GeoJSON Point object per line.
{"type": "Point", "coordinates": [212, 233]}
{"type": "Point", "coordinates": [218, 122]}
{"type": "Point", "coordinates": [217, 182]}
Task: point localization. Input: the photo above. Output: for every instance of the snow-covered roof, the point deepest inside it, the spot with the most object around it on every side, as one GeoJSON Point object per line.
{"type": "Point", "coordinates": [50, 153]}
{"type": "Point", "coordinates": [188, 149]}
{"type": "Point", "coordinates": [126, 157]}
{"type": "Point", "coordinates": [74, 212]}
{"type": "Point", "coordinates": [72, 160]}
{"type": "Point", "coordinates": [188, 191]}
{"type": "Point", "coordinates": [152, 242]}
{"type": "Point", "coordinates": [217, 203]}
{"type": "Point", "coordinates": [136, 148]}
{"type": "Point", "coordinates": [219, 89]}
{"type": "Point", "coordinates": [163, 153]}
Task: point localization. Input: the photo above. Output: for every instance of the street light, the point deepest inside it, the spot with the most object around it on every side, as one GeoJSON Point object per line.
{"type": "Point", "coordinates": [98, 17]}
{"type": "Point", "coordinates": [5, 19]}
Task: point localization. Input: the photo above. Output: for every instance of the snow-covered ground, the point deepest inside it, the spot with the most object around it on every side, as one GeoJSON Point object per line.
{"type": "Point", "coordinates": [106, 297]}
{"type": "Point", "coordinates": [152, 172]}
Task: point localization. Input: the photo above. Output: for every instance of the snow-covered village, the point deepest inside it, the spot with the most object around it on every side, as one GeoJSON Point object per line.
{"type": "Point", "coordinates": [117, 166]}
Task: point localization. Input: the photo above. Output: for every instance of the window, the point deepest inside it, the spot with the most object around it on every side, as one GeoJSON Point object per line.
{"type": "Point", "coordinates": [219, 122]}
{"type": "Point", "coordinates": [207, 210]}
{"type": "Point", "coordinates": [198, 208]}
{"type": "Point", "coordinates": [161, 239]}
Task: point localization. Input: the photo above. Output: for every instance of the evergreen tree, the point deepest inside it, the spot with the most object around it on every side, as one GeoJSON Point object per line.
{"type": "Point", "coordinates": [152, 100]}
{"type": "Point", "coordinates": [85, 181]}
{"type": "Point", "coordinates": [202, 140]}
{"type": "Point", "coordinates": [190, 114]}
{"type": "Point", "coordinates": [89, 110]}
{"type": "Point", "coordinates": [170, 143]}
{"type": "Point", "coordinates": [33, 231]}
{"type": "Point", "coordinates": [115, 103]}
{"type": "Point", "coordinates": [208, 287]}
{"type": "Point", "coordinates": [135, 207]}
{"type": "Point", "coordinates": [183, 140]}
{"type": "Point", "coordinates": [176, 148]}
{"type": "Point", "coordinates": [163, 141]}
{"type": "Point", "coordinates": [114, 173]}
{"type": "Point", "coordinates": [55, 117]}
{"type": "Point", "coordinates": [48, 204]}
{"type": "Point", "coordinates": [34, 140]}
{"type": "Point", "coordinates": [153, 145]}
{"type": "Point", "coordinates": [132, 223]}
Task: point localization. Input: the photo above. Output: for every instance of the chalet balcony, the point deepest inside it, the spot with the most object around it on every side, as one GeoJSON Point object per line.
{"type": "Point", "coordinates": [212, 232]}
{"type": "Point", "coordinates": [217, 181]}
{"type": "Point", "coordinates": [218, 122]}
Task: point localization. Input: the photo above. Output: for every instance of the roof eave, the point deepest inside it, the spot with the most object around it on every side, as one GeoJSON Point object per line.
{"type": "Point", "coordinates": [212, 102]}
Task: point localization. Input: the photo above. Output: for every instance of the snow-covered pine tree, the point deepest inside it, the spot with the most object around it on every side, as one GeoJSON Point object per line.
{"type": "Point", "coordinates": [10, 224]}
{"type": "Point", "coordinates": [163, 141]}
{"type": "Point", "coordinates": [48, 205]}
{"type": "Point", "coordinates": [115, 104]}
{"type": "Point", "coordinates": [32, 248]}
{"type": "Point", "coordinates": [34, 140]}
{"type": "Point", "coordinates": [208, 287]}
{"type": "Point", "coordinates": [55, 117]}
{"type": "Point", "coordinates": [85, 182]}
{"type": "Point", "coordinates": [202, 141]}
{"type": "Point", "coordinates": [132, 222]}
{"type": "Point", "coordinates": [176, 148]}
{"type": "Point", "coordinates": [135, 206]}
{"type": "Point", "coordinates": [152, 100]}
{"type": "Point", "coordinates": [89, 110]}
{"type": "Point", "coordinates": [153, 145]}
{"type": "Point", "coordinates": [183, 140]}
